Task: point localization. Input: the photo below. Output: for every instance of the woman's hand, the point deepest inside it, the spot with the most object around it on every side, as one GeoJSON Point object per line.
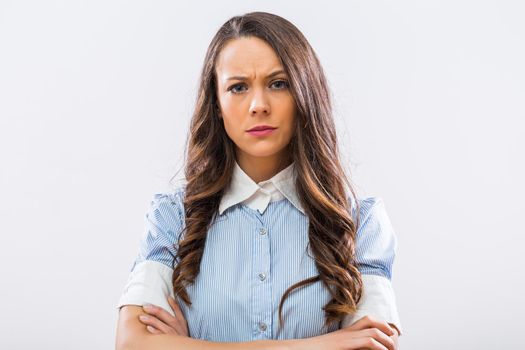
{"type": "Point", "coordinates": [395, 337]}
{"type": "Point", "coordinates": [367, 333]}
{"type": "Point", "coordinates": [160, 321]}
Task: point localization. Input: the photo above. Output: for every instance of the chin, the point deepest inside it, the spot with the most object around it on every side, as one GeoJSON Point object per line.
{"type": "Point", "coordinates": [261, 152]}
{"type": "Point", "coordinates": [261, 155]}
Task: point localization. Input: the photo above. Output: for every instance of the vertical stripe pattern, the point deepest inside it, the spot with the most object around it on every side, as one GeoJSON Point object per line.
{"type": "Point", "coordinates": [249, 261]}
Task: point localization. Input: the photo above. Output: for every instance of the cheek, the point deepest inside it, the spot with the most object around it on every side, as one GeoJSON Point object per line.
{"type": "Point", "coordinates": [230, 116]}
{"type": "Point", "coordinates": [232, 128]}
{"type": "Point", "coordinates": [290, 117]}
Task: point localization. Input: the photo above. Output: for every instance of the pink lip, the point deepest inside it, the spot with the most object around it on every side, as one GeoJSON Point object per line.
{"type": "Point", "coordinates": [261, 132]}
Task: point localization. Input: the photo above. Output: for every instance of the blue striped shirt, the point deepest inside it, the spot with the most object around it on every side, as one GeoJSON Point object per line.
{"type": "Point", "coordinates": [250, 259]}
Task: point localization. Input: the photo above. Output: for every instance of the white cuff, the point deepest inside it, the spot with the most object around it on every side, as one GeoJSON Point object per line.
{"type": "Point", "coordinates": [378, 301]}
{"type": "Point", "coordinates": [149, 282]}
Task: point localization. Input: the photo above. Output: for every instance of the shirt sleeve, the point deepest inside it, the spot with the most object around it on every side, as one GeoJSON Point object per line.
{"type": "Point", "coordinates": [376, 245]}
{"type": "Point", "coordinates": [150, 278]}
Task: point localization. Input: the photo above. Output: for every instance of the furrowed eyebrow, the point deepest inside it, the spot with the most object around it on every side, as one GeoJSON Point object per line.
{"type": "Point", "coordinates": [239, 77]}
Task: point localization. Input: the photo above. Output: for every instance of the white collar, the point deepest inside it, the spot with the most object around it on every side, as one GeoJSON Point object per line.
{"type": "Point", "coordinates": [243, 189]}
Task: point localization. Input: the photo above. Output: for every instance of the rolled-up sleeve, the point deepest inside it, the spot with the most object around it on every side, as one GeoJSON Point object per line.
{"type": "Point", "coordinates": [150, 278]}
{"type": "Point", "coordinates": [376, 246]}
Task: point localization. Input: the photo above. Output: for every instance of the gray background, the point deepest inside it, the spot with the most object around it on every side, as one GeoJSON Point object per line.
{"type": "Point", "coordinates": [95, 100]}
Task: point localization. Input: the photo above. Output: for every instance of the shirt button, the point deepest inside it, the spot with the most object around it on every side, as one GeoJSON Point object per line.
{"type": "Point", "coordinates": [262, 231]}
{"type": "Point", "coordinates": [262, 276]}
{"type": "Point", "coordinates": [262, 326]}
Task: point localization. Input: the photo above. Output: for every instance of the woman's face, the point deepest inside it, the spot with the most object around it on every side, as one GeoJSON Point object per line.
{"type": "Point", "coordinates": [253, 90]}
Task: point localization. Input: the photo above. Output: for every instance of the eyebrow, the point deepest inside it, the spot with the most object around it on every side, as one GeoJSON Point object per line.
{"type": "Point", "coordinates": [240, 77]}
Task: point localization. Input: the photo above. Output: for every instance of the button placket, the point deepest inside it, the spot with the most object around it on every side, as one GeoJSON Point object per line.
{"type": "Point", "coordinates": [262, 289]}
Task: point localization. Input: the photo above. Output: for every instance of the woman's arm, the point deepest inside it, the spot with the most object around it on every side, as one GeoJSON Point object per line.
{"type": "Point", "coordinates": [367, 333]}
{"type": "Point", "coordinates": [132, 334]}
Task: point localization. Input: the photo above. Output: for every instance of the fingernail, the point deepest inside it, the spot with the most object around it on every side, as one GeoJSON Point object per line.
{"type": "Point", "coordinates": [143, 317]}
{"type": "Point", "coordinates": [148, 306]}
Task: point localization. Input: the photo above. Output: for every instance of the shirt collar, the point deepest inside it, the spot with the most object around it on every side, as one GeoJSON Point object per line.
{"type": "Point", "coordinates": [243, 187]}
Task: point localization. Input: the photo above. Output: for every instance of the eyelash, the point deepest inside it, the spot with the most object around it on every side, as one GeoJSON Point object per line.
{"type": "Point", "coordinates": [286, 85]}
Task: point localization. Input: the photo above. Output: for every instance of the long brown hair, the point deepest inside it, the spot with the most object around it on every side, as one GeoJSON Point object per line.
{"type": "Point", "coordinates": [321, 180]}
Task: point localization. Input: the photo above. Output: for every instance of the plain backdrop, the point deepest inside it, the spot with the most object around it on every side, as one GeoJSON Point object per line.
{"type": "Point", "coordinates": [95, 101]}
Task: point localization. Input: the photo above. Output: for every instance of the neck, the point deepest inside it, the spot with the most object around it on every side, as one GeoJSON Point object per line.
{"type": "Point", "coordinates": [263, 168]}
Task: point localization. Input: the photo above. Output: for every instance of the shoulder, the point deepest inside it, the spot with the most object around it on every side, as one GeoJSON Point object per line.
{"type": "Point", "coordinates": [373, 222]}
{"type": "Point", "coordinates": [167, 207]}
{"type": "Point", "coordinates": [372, 206]}
{"type": "Point", "coordinates": [376, 241]}
{"type": "Point", "coordinates": [174, 197]}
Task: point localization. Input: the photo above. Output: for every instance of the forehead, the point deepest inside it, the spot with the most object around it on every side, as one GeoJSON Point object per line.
{"type": "Point", "coordinates": [246, 56]}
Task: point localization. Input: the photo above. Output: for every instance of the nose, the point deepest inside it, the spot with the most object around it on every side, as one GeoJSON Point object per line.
{"type": "Point", "coordinates": [259, 104]}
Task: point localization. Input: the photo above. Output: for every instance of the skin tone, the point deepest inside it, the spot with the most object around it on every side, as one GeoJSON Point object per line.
{"type": "Point", "coordinates": [365, 333]}
{"type": "Point", "coordinates": [249, 95]}
{"type": "Point", "coordinates": [252, 89]}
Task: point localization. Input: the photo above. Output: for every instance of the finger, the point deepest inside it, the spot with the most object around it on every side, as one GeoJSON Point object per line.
{"type": "Point", "coordinates": [176, 309]}
{"type": "Point", "coordinates": [367, 343]}
{"type": "Point", "coordinates": [178, 313]}
{"type": "Point", "coordinates": [378, 336]}
{"type": "Point", "coordinates": [155, 322]}
{"type": "Point", "coordinates": [375, 334]}
{"type": "Point", "coordinates": [370, 322]}
{"type": "Point", "coordinates": [165, 317]}
{"type": "Point", "coordinates": [153, 330]}
{"type": "Point", "coordinates": [394, 328]}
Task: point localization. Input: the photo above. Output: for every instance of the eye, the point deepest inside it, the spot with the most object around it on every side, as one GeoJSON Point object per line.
{"type": "Point", "coordinates": [232, 88]}
{"type": "Point", "coordinates": [283, 84]}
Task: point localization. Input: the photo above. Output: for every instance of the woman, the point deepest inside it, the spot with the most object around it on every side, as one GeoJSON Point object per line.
{"type": "Point", "coordinates": [263, 246]}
